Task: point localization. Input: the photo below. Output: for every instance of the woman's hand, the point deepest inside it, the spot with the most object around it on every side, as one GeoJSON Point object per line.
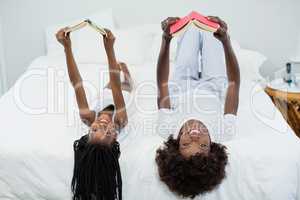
{"type": "Point", "coordinates": [63, 38]}
{"type": "Point", "coordinates": [166, 24]}
{"type": "Point", "coordinates": [221, 34]}
{"type": "Point", "coordinates": [109, 40]}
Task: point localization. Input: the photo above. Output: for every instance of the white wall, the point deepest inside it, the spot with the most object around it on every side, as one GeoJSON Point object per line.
{"type": "Point", "coordinates": [269, 26]}
{"type": "Point", "coordinates": [2, 64]}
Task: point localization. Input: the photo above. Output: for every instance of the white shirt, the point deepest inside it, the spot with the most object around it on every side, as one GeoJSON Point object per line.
{"type": "Point", "coordinates": [106, 100]}
{"type": "Point", "coordinates": [203, 105]}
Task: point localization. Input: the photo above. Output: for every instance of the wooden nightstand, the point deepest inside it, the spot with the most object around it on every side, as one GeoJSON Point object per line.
{"type": "Point", "coordinates": [287, 99]}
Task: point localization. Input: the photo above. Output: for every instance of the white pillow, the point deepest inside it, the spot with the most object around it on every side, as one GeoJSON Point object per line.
{"type": "Point", "coordinates": [89, 47]}
{"type": "Point", "coordinates": [131, 46]}
{"type": "Point", "coordinates": [103, 18]}
{"type": "Point", "coordinates": [155, 47]}
{"type": "Point", "coordinates": [250, 62]}
{"type": "Point", "coordinates": [236, 46]}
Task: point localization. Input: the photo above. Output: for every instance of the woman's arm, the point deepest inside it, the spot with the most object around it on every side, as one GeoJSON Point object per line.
{"type": "Point", "coordinates": [163, 65]}
{"type": "Point", "coordinates": [232, 68]}
{"type": "Point", "coordinates": [162, 74]}
{"type": "Point", "coordinates": [86, 115]}
{"type": "Point", "coordinates": [233, 74]}
{"type": "Point", "coordinates": [121, 117]}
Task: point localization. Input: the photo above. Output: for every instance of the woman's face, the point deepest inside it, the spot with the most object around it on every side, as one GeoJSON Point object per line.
{"type": "Point", "coordinates": [102, 130]}
{"type": "Point", "coordinates": [193, 139]}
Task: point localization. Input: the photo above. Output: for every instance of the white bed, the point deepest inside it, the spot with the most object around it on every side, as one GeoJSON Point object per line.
{"type": "Point", "coordinates": [40, 122]}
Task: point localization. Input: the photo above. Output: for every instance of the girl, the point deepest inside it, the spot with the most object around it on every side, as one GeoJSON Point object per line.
{"type": "Point", "coordinates": [97, 172]}
{"type": "Point", "coordinates": [193, 162]}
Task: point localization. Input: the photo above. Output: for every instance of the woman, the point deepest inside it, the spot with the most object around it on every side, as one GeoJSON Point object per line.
{"type": "Point", "coordinates": [97, 172]}
{"type": "Point", "coordinates": [193, 162]}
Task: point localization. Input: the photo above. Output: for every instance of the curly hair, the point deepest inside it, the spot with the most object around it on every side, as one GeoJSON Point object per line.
{"type": "Point", "coordinates": [97, 173]}
{"type": "Point", "coordinates": [193, 176]}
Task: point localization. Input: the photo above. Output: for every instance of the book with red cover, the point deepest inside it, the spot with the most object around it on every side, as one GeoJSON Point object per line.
{"type": "Point", "coordinates": [196, 19]}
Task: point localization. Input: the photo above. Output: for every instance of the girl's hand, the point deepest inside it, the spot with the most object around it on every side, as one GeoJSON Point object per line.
{"type": "Point", "coordinates": [63, 38]}
{"type": "Point", "coordinates": [109, 40]}
{"type": "Point", "coordinates": [166, 24]}
{"type": "Point", "coordinates": [221, 34]}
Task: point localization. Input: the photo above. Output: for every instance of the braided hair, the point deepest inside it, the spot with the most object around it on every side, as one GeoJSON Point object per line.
{"type": "Point", "coordinates": [97, 174]}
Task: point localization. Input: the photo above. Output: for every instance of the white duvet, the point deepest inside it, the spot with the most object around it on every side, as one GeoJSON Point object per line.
{"type": "Point", "coordinates": [39, 124]}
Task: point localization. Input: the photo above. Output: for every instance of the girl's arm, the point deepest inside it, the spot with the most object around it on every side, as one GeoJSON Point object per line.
{"type": "Point", "coordinates": [232, 68]}
{"type": "Point", "coordinates": [163, 65]}
{"type": "Point", "coordinates": [86, 115]}
{"type": "Point", "coordinates": [233, 74]}
{"type": "Point", "coordinates": [121, 118]}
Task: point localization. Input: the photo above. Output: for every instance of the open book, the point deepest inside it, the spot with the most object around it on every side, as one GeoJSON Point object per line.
{"type": "Point", "coordinates": [85, 23]}
{"type": "Point", "coordinates": [195, 19]}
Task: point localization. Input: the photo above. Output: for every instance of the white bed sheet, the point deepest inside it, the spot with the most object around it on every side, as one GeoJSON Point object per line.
{"type": "Point", "coordinates": [264, 159]}
{"type": "Point", "coordinates": [36, 149]}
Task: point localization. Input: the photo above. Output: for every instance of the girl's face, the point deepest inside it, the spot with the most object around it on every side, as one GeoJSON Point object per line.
{"type": "Point", "coordinates": [102, 130]}
{"type": "Point", "coordinates": [194, 139]}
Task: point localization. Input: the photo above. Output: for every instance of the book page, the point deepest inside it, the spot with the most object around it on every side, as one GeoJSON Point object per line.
{"type": "Point", "coordinates": [97, 28]}
{"type": "Point", "coordinates": [203, 26]}
{"type": "Point", "coordinates": [76, 27]}
{"type": "Point", "coordinates": [183, 29]}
